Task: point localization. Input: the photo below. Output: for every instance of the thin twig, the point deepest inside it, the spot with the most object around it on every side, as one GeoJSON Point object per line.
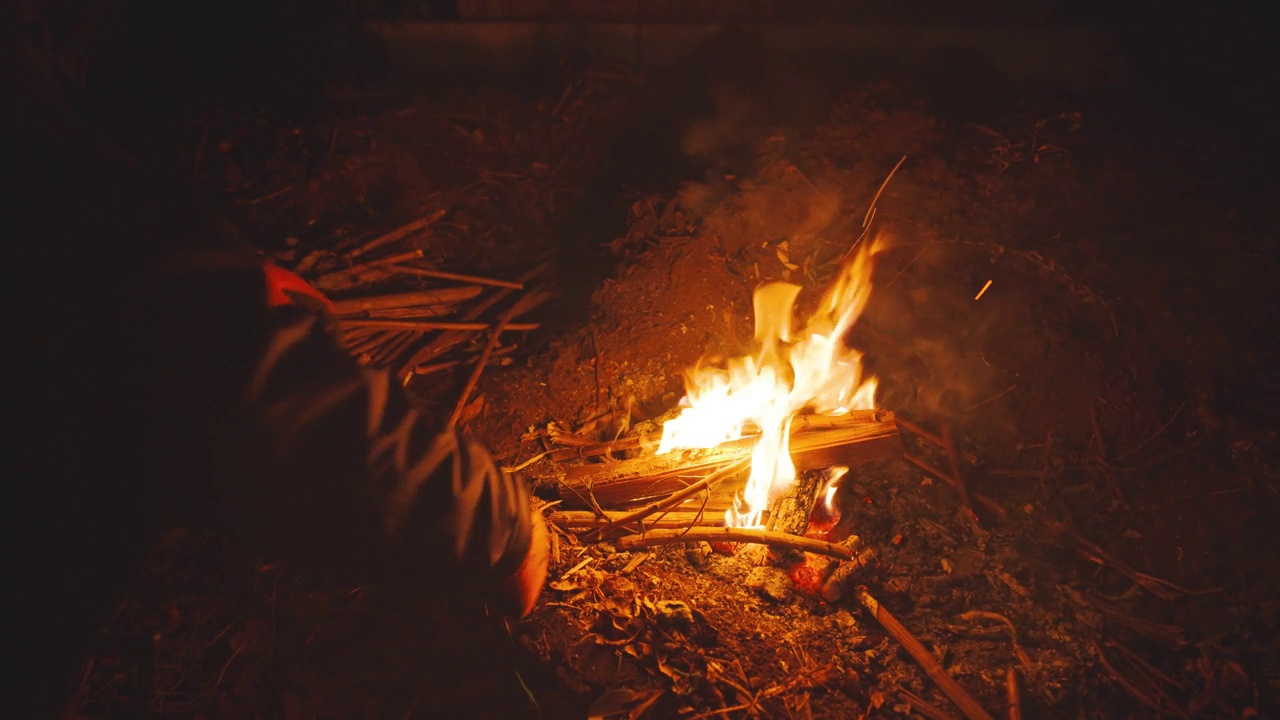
{"type": "Point", "coordinates": [922, 706]}
{"type": "Point", "coordinates": [866, 219]}
{"type": "Point", "coordinates": [427, 325]}
{"type": "Point", "coordinates": [383, 262]}
{"type": "Point", "coordinates": [915, 429]}
{"type": "Point", "coordinates": [954, 460]}
{"type": "Point", "coordinates": [675, 499]}
{"type": "Point", "coordinates": [439, 296]}
{"type": "Point", "coordinates": [1156, 434]}
{"type": "Point", "coordinates": [489, 346]}
{"type": "Point", "coordinates": [993, 398]}
{"type": "Point", "coordinates": [399, 233]}
{"type": "Point", "coordinates": [871, 209]}
{"type": "Point", "coordinates": [983, 500]}
{"type": "Point", "coordinates": [447, 340]}
{"type": "Point", "coordinates": [923, 657]}
{"type": "Point", "coordinates": [731, 534]}
{"type": "Point", "coordinates": [442, 275]}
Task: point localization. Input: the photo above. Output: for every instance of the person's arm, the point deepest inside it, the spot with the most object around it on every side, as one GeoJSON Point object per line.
{"type": "Point", "coordinates": [326, 462]}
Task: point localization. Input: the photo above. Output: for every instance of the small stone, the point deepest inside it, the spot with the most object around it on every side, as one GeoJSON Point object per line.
{"type": "Point", "coordinates": [674, 613]}
{"type": "Point", "coordinates": [699, 554]}
{"type": "Point", "coordinates": [844, 619]}
{"type": "Point", "coordinates": [770, 582]}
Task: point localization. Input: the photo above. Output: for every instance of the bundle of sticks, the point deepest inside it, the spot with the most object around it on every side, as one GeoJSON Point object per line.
{"type": "Point", "coordinates": [412, 332]}
{"type": "Point", "coordinates": [602, 495]}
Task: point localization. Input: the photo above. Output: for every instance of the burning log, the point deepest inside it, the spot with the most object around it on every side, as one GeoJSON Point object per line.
{"type": "Point", "coordinates": [816, 442]}
{"type": "Point", "coordinates": [791, 513]}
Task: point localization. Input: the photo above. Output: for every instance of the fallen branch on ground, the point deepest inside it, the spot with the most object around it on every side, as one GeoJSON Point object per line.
{"type": "Point", "coordinates": [923, 657]}
{"type": "Point", "coordinates": [740, 535]}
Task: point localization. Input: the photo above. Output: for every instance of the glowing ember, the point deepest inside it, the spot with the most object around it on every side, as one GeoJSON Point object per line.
{"type": "Point", "coordinates": [764, 391]}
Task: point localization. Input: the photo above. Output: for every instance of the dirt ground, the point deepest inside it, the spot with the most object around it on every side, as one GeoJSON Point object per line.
{"type": "Point", "coordinates": [1111, 391]}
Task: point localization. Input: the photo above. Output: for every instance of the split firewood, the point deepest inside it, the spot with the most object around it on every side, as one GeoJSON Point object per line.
{"type": "Point", "coordinates": [816, 442]}
{"type": "Point", "coordinates": [790, 514]}
{"type": "Point", "coordinates": [450, 364]}
{"type": "Point", "coordinates": [444, 298]}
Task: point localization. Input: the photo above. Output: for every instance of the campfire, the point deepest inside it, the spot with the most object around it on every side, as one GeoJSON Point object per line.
{"type": "Point", "coordinates": [757, 439]}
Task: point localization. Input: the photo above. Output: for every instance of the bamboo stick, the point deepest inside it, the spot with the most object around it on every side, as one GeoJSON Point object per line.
{"type": "Point", "coordinates": [442, 275]}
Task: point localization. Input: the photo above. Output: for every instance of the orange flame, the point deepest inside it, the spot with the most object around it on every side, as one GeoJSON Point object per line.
{"type": "Point", "coordinates": [812, 372]}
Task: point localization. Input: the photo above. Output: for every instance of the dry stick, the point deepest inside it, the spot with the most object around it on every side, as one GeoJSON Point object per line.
{"type": "Point", "coordinates": [421, 325]}
{"type": "Point", "coordinates": [489, 347]}
{"type": "Point", "coordinates": [917, 430]}
{"type": "Point", "coordinates": [731, 534]}
{"type": "Point", "coordinates": [1162, 589]}
{"type": "Point", "coordinates": [1012, 695]}
{"type": "Point", "coordinates": [399, 233]}
{"type": "Point", "coordinates": [437, 367]}
{"type": "Point", "coordinates": [588, 520]}
{"type": "Point", "coordinates": [927, 662]}
{"type": "Point", "coordinates": [955, 465]}
{"type": "Point", "coordinates": [871, 208]}
{"type": "Point", "coordinates": [438, 296]}
{"type": "Point", "coordinates": [368, 344]}
{"type": "Point", "coordinates": [671, 500]}
{"type": "Point", "coordinates": [922, 706]}
{"type": "Point", "coordinates": [393, 348]}
{"type": "Point", "coordinates": [381, 262]}
{"type": "Point", "coordinates": [1156, 434]}
{"type": "Point", "coordinates": [447, 340]}
{"type": "Point", "coordinates": [983, 500]}
{"type": "Point", "coordinates": [442, 275]}
{"type": "Point", "coordinates": [992, 399]}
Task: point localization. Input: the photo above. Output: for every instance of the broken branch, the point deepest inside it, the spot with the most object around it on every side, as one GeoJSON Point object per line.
{"type": "Point", "coordinates": [742, 535]}
{"type": "Point", "coordinates": [442, 297]}
{"type": "Point", "coordinates": [675, 499]}
{"type": "Point", "coordinates": [923, 657]}
{"type": "Point", "coordinates": [441, 275]}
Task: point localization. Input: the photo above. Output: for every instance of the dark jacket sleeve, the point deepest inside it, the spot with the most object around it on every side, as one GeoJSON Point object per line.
{"type": "Point", "coordinates": [327, 462]}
